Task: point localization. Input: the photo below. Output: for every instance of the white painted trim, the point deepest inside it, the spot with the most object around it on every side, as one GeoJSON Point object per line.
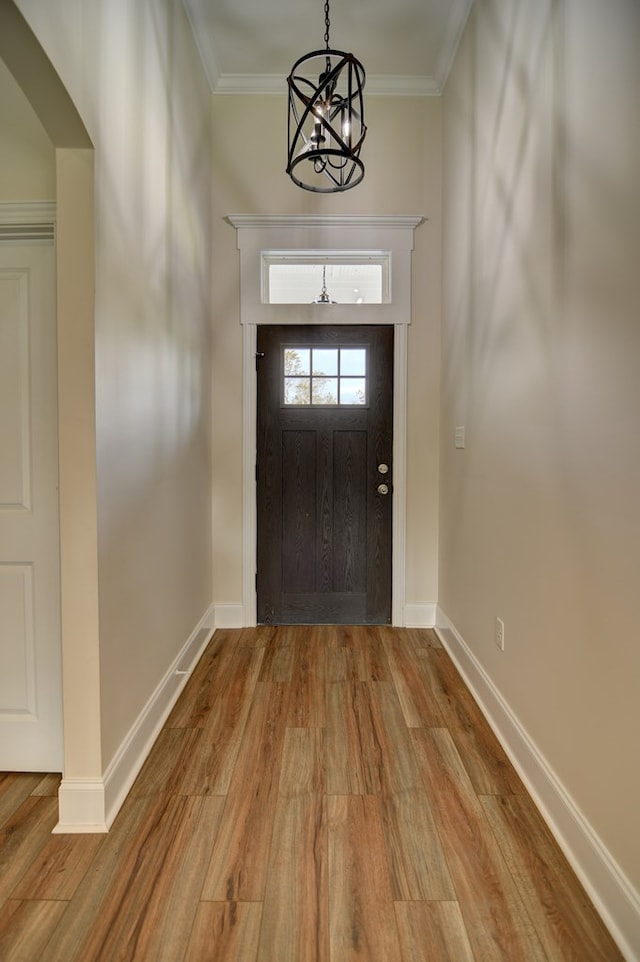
{"type": "Point", "coordinates": [376, 85]}
{"type": "Point", "coordinates": [27, 222]}
{"type": "Point", "coordinates": [613, 895]}
{"type": "Point", "coordinates": [81, 807]}
{"type": "Point", "coordinates": [400, 85]}
{"type": "Point", "coordinates": [28, 212]}
{"type": "Point", "coordinates": [91, 805]}
{"type": "Point", "coordinates": [458, 16]}
{"type": "Point", "coordinates": [368, 222]}
{"type": "Point", "coordinates": [399, 481]}
{"type": "Point", "coordinates": [422, 615]}
{"type": "Point", "coordinates": [282, 234]}
{"type": "Point", "coordinates": [289, 232]}
{"type": "Point", "coordinates": [229, 616]}
{"type": "Point", "coordinates": [249, 489]}
{"type": "Point", "coordinates": [209, 619]}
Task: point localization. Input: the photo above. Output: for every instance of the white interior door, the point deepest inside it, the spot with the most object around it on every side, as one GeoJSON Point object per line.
{"type": "Point", "coordinates": [30, 675]}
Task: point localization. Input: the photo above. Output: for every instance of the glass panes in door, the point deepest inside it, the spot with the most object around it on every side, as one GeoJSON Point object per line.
{"type": "Point", "coordinates": [321, 377]}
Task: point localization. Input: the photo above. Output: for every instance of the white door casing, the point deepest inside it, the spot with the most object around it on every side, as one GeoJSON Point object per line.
{"type": "Point", "coordinates": [261, 234]}
{"type": "Point", "coordinates": [31, 737]}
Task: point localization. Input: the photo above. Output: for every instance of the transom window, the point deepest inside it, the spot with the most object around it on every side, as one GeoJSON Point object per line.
{"type": "Point", "coordinates": [322, 377]}
{"type": "Point", "coordinates": [300, 279]}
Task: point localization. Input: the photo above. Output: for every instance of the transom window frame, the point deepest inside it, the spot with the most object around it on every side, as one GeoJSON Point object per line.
{"type": "Point", "coordinates": [386, 237]}
{"type": "Point", "coordinates": [325, 235]}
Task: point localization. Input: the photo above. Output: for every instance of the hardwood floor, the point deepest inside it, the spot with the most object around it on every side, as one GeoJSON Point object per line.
{"type": "Point", "coordinates": [320, 794]}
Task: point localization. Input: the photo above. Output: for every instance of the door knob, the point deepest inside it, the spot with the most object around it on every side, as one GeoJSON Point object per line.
{"type": "Point", "coordinates": [383, 489]}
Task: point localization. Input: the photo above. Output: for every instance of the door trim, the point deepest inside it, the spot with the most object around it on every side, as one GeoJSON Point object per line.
{"type": "Point", "coordinates": [256, 233]}
{"type": "Point", "coordinates": [249, 491]}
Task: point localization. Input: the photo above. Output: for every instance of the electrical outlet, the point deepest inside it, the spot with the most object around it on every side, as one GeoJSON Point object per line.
{"type": "Point", "coordinates": [500, 633]}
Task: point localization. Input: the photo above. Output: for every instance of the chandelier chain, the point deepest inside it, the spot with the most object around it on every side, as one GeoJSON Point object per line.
{"type": "Point", "coordinates": [327, 23]}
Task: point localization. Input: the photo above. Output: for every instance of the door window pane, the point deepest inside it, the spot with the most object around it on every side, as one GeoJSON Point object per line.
{"type": "Point", "coordinates": [325, 376]}
{"type": "Point", "coordinates": [324, 390]}
{"type": "Point", "coordinates": [353, 390]}
{"type": "Point", "coordinates": [353, 361]}
{"type": "Point", "coordinates": [297, 361]}
{"type": "Point", "coordinates": [325, 361]}
{"type": "Point", "coordinates": [297, 390]}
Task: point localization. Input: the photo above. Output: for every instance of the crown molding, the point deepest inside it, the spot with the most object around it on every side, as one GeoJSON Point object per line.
{"type": "Point", "coordinates": [458, 15]}
{"type": "Point", "coordinates": [401, 86]}
{"type": "Point", "coordinates": [369, 221]}
{"type": "Point", "coordinates": [375, 86]}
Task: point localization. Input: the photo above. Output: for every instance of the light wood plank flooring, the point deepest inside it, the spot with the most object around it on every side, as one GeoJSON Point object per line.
{"type": "Point", "coordinates": [324, 794]}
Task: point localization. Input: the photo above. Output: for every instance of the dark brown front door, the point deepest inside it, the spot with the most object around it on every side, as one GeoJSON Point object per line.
{"type": "Point", "coordinates": [325, 424]}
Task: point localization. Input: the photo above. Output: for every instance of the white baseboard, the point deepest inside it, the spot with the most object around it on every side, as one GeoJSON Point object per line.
{"type": "Point", "coordinates": [617, 902]}
{"type": "Point", "coordinates": [209, 618]}
{"type": "Point", "coordinates": [81, 807]}
{"type": "Point", "coordinates": [90, 805]}
{"type": "Point", "coordinates": [421, 615]}
{"type": "Point", "coordinates": [228, 616]}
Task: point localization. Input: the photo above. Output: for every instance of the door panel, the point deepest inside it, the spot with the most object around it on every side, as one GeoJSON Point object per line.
{"type": "Point", "coordinates": [324, 530]}
{"type": "Point", "coordinates": [350, 510]}
{"type": "Point", "coordinates": [298, 509]}
{"type": "Point", "coordinates": [30, 680]}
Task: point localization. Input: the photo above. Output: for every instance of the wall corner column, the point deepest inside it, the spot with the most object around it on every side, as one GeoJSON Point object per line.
{"type": "Point", "coordinates": [81, 798]}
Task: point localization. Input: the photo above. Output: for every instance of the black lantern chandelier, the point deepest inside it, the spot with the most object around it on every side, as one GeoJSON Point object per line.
{"type": "Point", "coordinates": [326, 119]}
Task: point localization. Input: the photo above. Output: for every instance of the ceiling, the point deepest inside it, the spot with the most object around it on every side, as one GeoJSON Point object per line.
{"type": "Point", "coordinates": [406, 46]}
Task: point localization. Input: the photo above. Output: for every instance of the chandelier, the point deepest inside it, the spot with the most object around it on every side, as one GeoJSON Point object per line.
{"type": "Point", "coordinates": [323, 296]}
{"type": "Point", "coordinates": [326, 126]}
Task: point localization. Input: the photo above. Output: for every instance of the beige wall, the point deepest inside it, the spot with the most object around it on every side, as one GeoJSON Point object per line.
{"type": "Point", "coordinates": [540, 520]}
{"type": "Point", "coordinates": [27, 156]}
{"type": "Point", "coordinates": [402, 155]}
{"type": "Point", "coordinates": [133, 72]}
